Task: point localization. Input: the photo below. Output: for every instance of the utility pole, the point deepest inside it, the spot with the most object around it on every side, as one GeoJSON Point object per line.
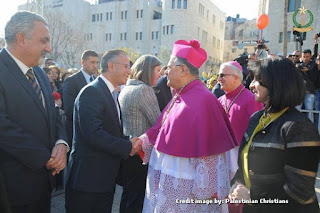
{"type": "Point", "coordinates": [285, 26]}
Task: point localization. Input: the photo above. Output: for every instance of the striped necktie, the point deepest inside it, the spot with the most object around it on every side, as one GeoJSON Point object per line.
{"type": "Point", "coordinates": [34, 83]}
{"type": "Point", "coordinates": [115, 95]}
{"type": "Point", "coordinates": [91, 78]}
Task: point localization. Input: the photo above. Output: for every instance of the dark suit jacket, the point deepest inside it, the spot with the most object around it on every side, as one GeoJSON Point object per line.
{"type": "Point", "coordinates": [28, 132]}
{"type": "Point", "coordinates": [98, 144]}
{"type": "Point", "coordinates": [70, 90]}
{"type": "Point", "coordinates": [163, 92]}
{"type": "Point", "coordinates": [217, 91]}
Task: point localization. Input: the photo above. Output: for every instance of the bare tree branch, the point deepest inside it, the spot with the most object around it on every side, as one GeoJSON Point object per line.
{"type": "Point", "coordinates": [66, 40]}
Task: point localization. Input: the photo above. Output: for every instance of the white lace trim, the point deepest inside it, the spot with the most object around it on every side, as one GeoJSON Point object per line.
{"type": "Point", "coordinates": [232, 156]}
{"type": "Point", "coordinates": [172, 179]}
{"type": "Point", "coordinates": [147, 148]}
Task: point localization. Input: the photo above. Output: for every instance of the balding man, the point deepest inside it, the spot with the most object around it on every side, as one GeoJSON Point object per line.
{"type": "Point", "coordinates": [238, 102]}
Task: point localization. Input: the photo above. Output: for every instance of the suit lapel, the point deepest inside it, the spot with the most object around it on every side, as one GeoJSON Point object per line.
{"type": "Point", "coordinates": [111, 102]}
{"type": "Point", "coordinates": [16, 72]}
{"type": "Point", "coordinates": [82, 79]}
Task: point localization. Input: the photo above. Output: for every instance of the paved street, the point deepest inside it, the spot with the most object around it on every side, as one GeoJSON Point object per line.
{"type": "Point", "coordinates": [57, 205]}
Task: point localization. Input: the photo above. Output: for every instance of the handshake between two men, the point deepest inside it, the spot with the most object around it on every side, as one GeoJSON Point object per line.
{"type": "Point", "coordinates": [136, 145]}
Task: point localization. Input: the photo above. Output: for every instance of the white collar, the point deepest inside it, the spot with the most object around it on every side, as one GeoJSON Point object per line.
{"type": "Point", "coordinates": [24, 68]}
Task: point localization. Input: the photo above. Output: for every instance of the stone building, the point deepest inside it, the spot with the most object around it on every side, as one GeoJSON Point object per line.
{"type": "Point", "coordinates": [146, 26]}
{"type": "Point", "coordinates": [241, 37]}
{"type": "Point", "coordinates": [274, 31]}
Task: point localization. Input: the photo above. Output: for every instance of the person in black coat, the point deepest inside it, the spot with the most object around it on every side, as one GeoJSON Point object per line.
{"type": "Point", "coordinates": [73, 84]}
{"type": "Point", "coordinates": [163, 92]}
{"type": "Point", "coordinates": [32, 139]}
{"type": "Point", "coordinates": [99, 145]}
{"type": "Point", "coordinates": [279, 154]}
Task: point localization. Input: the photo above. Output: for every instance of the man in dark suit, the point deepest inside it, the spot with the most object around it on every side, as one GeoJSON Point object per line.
{"type": "Point", "coordinates": [73, 85]}
{"type": "Point", "coordinates": [32, 140]}
{"type": "Point", "coordinates": [163, 92]}
{"type": "Point", "coordinates": [98, 143]}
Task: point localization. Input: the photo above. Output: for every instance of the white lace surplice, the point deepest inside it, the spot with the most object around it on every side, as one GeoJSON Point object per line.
{"type": "Point", "coordinates": [173, 179]}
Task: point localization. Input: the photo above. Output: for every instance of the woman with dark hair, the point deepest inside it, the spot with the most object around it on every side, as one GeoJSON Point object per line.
{"type": "Point", "coordinates": [139, 110]}
{"type": "Point", "coordinates": [55, 84]}
{"type": "Point", "coordinates": [278, 156]}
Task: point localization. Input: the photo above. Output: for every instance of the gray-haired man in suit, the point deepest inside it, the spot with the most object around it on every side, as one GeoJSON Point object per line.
{"type": "Point", "coordinates": [32, 138]}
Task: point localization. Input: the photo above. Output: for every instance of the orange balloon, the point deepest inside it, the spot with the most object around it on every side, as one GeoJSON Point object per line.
{"type": "Point", "coordinates": [262, 21]}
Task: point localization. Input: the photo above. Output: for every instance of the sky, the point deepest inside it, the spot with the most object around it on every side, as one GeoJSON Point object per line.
{"type": "Point", "coordinates": [246, 8]}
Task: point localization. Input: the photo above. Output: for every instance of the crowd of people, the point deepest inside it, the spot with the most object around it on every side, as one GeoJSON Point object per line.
{"type": "Point", "coordinates": [172, 142]}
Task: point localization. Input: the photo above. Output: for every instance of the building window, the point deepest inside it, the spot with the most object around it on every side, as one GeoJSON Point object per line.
{"type": "Point", "coordinates": [100, 16]}
{"type": "Point", "coordinates": [157, 35]}
{"type": "Point", "coordinates": [214, 41]}
{"type": "Point", "coordinates": [221, 25]}
{"type": "Point", "coordinates": [120, 36]}
{"type": "Point", "coordinates": [89, 36]}
{"type": "Point", "coordinates": [288, 36]}
{"type": "Point", "coordinates": [185, 4]}
{"type": "Point", "coordinates": [141, 13]}
{"type": "Point", "coordinates": [163, 30]}
{"type": "Point", "coordinates": [167, 29]}
{"type": "Point", "coordinates": [107, 16]}
{"type": "Point", "coordinates": [156, 15]}
{"type": "Point", "coordinates": [121, 15]}
{"type": "Point", "coordinates": [125, 14]}
{"type": "Point", "coordinates": [213, 19]}
{"type": "Point", "coordinates": [280, 37]}
{"type": "Point", "coordinates": [137, 13]}
{"type": "Point", "coordinates": [125, 36]}
{"type": "Point", "coordinates": [173, 4]}
{"type": "Point", "coordinates": [204, 36]}
{"type": "Point", "coordinates": [294, 5]}
{"type": "Point", "coordinates": [137, 36]}
{"type": "Point", "coordinates": [110, 16]}
{"type": "Point", "coordinates": [304, 36]}
{"type": "Point", "coordinates": [179, 4]}
{"type": "Point", "coordinates": [140, 35]}
{"type": "Point", "coordinates": [201, 9]}
{"type": "Point", "coordinates": [152, 35]}
{"type": "Point", "coordinates": [218, 44]}
{"type": "Point", "coordinates": [93, 18]}
{"type": "Point", "coordinates": [172, 29]}
{"type": "Point", "coordinates": [240, 33]}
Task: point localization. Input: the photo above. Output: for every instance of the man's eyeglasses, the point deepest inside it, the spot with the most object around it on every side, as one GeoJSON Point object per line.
{"type": "Point", "coordinates": [126, 66]}
{"type": "Point", "coordinates": [295, 55]}
{"type": "Point", "coordinates": [221, 75]}
{"type": "Point", "coordinates": [170, 67]}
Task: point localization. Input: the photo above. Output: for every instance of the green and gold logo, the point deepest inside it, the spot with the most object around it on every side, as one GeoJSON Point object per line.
{"type": "Point", "coordinates": [302, 27]}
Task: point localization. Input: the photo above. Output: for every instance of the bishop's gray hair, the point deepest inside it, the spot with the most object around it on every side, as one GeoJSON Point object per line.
{"type": "Point", "coordinates": [178, 61]}
{"type": "Point", "coordinates": [234, 69]}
